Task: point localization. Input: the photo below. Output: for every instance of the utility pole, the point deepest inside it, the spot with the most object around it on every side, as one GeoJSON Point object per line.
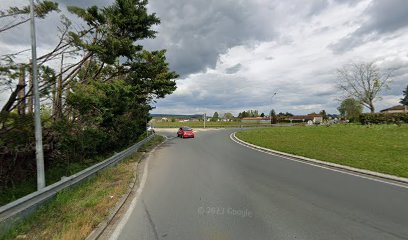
{"type": "Point", "coordinates": [205, 119]}
{"type": "Point", "coordinates": [37, 114]}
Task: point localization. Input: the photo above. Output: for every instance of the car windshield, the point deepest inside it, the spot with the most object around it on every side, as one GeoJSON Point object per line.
{"type": "Point", "coordinates": [187, 129]}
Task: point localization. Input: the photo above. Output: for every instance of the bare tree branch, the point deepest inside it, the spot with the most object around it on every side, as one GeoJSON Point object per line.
{"type": "Point", "coordinates": [363, 81]}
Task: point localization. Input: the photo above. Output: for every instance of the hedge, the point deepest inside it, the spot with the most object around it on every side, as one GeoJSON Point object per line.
{"type": "Point", "coordinates": [383, 118]}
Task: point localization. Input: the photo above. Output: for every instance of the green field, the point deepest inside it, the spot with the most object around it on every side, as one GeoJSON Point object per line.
{"type": "Point", "coordinates": [380, 148]}
{"type": "Point", "coordinates": [207, 124]}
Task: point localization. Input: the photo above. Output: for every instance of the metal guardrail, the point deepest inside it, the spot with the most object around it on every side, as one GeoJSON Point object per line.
{"type": "Point", "coordinates": [14, 211]}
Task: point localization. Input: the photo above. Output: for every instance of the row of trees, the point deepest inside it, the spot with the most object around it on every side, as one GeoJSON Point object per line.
{"type": "Point", "coordinates": [362, 84]}
{"type": "Point", "coordinates": [244, 114]}
{"type": "Point", "coordinates": [250, 113]}
{"type": "Point", "coordinates": [93, 104]}
{"type": "Point", "coordinates": [352, 108]}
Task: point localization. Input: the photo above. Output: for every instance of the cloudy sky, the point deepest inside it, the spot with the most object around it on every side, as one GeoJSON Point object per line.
{"type": "Point", "coordinates": [232, 55]}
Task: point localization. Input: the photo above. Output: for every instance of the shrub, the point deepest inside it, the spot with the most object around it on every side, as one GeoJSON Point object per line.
{"type": "Point", "coordinates": [383, 118]}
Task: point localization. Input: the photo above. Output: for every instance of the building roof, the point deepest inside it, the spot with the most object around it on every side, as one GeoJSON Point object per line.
{"type": "Point", "coordinates": [398, 107]}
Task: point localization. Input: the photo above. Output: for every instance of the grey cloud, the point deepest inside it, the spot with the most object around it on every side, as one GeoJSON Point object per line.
{"type": "Point", "coordinates": [386, 16]}
{"type": "Point", "coordinates": [318, 6]}
{"type": "Point", "coordinates": [196, 32]}
{"type": "Point", "coordinates": [47, 28]}
{"type": "Point", "coordinates": [87, 3]}
{"type": "Point", "coordinates": [219, 92]}
{"type": "Point", "coordinates": [383, 17]}
{"type": "Point", "coordinates": [233, 69]}
{"type": "Point", "coordinates": [399, 81]}
{"type": "Point", "coordinates": [349, 2]}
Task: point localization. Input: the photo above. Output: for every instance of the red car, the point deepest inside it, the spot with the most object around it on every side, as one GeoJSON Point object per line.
{"type": "Point", "coordinates": [185, 132]}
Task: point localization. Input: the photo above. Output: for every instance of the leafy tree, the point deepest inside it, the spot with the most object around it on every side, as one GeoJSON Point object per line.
{"type": "Point", "coordinates": [363, 81]}
{"type": "Point", "coordinates": [351, 109]}
{"type": "Point", "coordinates": [323, 114]}
{"type": "Point", "coordinates": [404, 100]}
{"type": "Point", "coordinates": [107, 91]}
{"type": "Point", "coordinates": [242, 114]}
{"type": "Point", "coordinates": [249, 113]}
{"type": "Point", "coordinates": [253, 113]}
{"type": "Point", "coordinates": [215, 117]}
{"type": "Point", "coordinates": [262, 115]}
{"type": "Point", "coordinates": [228, 116]}
{"type": "Point", "coordinates": [274, 118]}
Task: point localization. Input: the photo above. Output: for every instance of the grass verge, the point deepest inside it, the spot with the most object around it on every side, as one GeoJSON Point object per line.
{"type": "Point", "coordinates": [75, 212]}
{"type": "Point", "coordinates": [379, 148]}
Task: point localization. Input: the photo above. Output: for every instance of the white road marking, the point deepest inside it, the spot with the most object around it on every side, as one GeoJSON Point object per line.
{"type": "Point", "coordinates": [320, 166]}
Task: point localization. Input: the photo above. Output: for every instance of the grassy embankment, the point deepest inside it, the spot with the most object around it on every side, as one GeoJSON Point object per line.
{"type": "Point", "coordinates": [380, 148]}
{"type": "Point", "coordinates": [75, 212]}
{"type": "Point", "coordinates": [52, 175]}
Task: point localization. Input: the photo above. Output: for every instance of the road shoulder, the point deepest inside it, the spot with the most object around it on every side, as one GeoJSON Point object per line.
{"type": "Point", "coordinates": [113, 225]}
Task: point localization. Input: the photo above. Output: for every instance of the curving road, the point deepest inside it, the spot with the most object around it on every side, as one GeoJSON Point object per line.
{"type": "Point", "coordinates": [213, 188]}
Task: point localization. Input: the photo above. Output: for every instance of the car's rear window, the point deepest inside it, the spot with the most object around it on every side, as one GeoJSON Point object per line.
{"type": "Point", "coordinates": [187, 129]}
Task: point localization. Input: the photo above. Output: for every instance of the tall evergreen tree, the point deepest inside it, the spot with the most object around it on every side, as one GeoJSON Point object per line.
{"type": "Point", "coordinates": [105, 93]}
{"type": "Point", "coordinates": [404, 100]}
{"type": "Point", "coordinates": [323, 114]}
{"type": "Point", "coordinates": [274, 118]}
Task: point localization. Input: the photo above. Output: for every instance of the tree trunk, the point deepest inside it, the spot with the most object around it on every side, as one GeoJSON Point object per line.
{"type": "Point", "coordinates": [30, 85]}
{"type": "Point", "coordinates": [372, 108]}
{"type": "Point", "coordinates": [21, 93]}
{"type": "Point", "coordinates": [59, 92]}
{"type": "Point", "coordinates": [12, 99]}
{"type": "Point", "coordinates": [54, 99]}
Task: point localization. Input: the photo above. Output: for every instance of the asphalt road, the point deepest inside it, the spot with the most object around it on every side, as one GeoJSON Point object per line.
{"type": "Point", "coordinates": [213, 188]}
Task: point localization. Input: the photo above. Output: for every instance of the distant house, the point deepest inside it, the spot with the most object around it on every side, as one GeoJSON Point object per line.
{"type": "Point", "coordinates": [395, 109]}
{"type": "Point", "coordinates": [315, 118]}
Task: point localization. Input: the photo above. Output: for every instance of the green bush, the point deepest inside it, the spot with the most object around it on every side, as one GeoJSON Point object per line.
{"type": "Point", "coordinates": [383, 118]}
